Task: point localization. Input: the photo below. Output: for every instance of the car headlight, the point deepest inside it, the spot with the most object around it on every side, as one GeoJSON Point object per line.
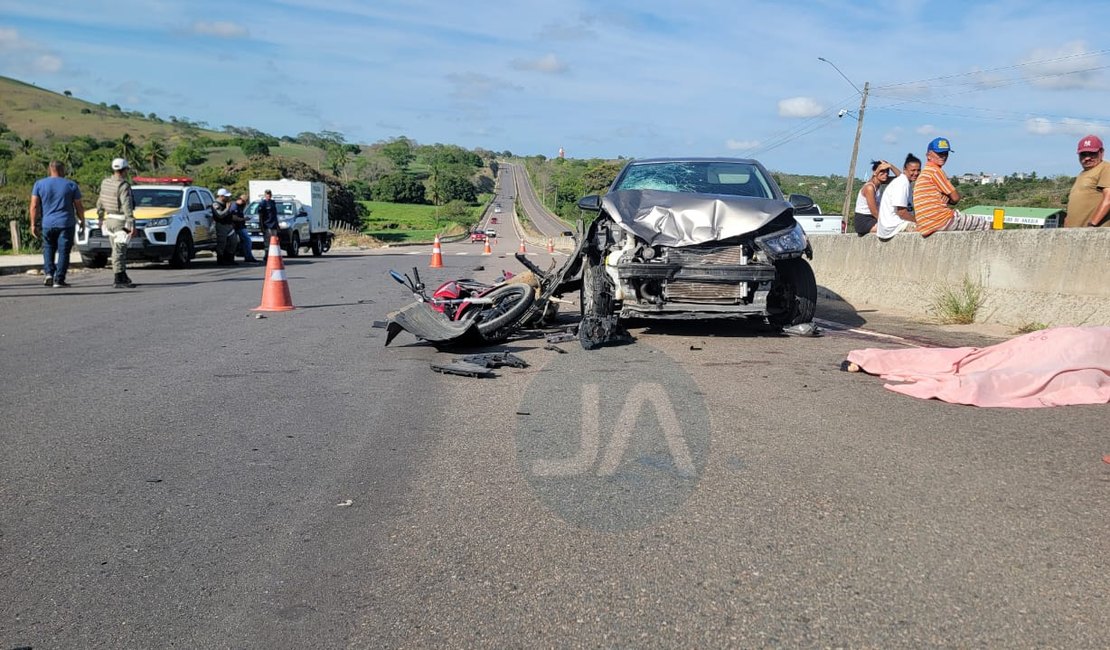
{"type": "Point", "coordinates": [154, 223]}
{"type": "Point", "coordinates": [283, 224]}
{"type": "Point", "coordinates": [784, 243]}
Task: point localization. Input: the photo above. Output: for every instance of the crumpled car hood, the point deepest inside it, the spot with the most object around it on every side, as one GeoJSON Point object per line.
{"type": "Point", "coordinates": [680, 219]}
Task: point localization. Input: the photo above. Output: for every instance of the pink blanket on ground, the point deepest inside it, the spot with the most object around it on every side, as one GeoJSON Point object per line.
{"type": "Point", "coordinates": [1054, 367]}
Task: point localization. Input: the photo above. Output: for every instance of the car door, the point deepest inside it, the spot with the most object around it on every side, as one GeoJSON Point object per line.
{"type": "Point", "coordinates": [200, 214]}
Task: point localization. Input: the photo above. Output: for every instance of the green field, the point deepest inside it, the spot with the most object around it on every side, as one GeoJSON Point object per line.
{"type": "Point", "coordinates": [406, 222]}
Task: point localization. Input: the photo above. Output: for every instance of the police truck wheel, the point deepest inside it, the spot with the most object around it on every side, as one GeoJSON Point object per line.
{"type": "Point", "coordinates": [317, 245]}
{"type": "Point", "coordinates": [182, 251]}
{"type": "Point", "coordinates": [294, 245]}
{"type": "Point", "coordinates": [94, 261]}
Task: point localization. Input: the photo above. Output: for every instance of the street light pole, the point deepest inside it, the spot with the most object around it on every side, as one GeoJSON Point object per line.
{"type": "Point", "coordinates": [855, 146]}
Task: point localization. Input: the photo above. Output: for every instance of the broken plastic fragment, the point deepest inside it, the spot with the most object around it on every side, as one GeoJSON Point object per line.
{"type": "Point", "coordinates": [802, 329]}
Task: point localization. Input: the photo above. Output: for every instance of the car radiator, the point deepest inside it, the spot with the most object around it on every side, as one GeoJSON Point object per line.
{"type": "Point", "coordinates": [702, 291]}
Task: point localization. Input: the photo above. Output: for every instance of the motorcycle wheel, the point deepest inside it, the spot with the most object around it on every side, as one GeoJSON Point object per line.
{"type": "Point", "coordinates": [509, 302]}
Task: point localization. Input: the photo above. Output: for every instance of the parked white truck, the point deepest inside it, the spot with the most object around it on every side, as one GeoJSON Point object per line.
{"type": "Point", "coordinates": [302, 215]}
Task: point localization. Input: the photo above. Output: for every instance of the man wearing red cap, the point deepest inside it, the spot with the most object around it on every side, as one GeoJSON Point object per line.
{"type": "Point", "coordinates": [1089, 201]}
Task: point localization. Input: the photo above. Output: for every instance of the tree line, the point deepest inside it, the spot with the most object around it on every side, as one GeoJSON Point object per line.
{"type": "Point", "coordinates": [398, 170]}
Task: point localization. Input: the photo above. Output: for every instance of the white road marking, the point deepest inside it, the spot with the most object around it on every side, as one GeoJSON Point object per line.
{"type": "Point", "coordinates": [841, 327]}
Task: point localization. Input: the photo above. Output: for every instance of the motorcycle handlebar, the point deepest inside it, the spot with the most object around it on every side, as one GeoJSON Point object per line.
{"type": "Point", "coordinates": [397, 277]}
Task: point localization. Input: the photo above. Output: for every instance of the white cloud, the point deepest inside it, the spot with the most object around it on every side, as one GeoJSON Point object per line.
{"type": "Point", "coordinates": [548, 63]}
{"type": "Point", "coordinates": [800, 107]}
{"type": "Point", "coordinates": [9, 39]}
{"type": "Point", "coordinates": [892, 136]}
{"type": "Point", "coordinates": [47, 63]}
{"type": "Point", "coordinates": [25, 56]}
{"type": "Point", "coordinates": [926, 129]}
{"type": "Point", "coordinates": [474, 86]}
{"type": "Point", "coordinates": [741, 145]}
{"type": "Point", "coordinates": [986, 80]}
{"type": "Point", "coordinates": [1068, 67]}
{"type": "Point", "coordinates": [1066, 126]}
{"type": "Point", "coordinates": [1038, 126]}
{"type": "Point", "coordinates": [219, 29]}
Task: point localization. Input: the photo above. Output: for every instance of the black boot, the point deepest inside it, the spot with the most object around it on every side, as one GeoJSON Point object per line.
{"type": "Point", "coordinates": [127, 279]}
{"type": "Point", "coordinates": [122, 282]}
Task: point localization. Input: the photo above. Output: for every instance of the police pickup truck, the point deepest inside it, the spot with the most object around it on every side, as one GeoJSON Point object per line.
{"type": "Point", "coordinates": [173, 220]}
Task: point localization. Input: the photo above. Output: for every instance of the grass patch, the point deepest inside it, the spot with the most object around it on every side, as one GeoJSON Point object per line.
{"type": "Point", "coordinates": [408, 222]}
{"type": "Point", "coordinates": [958, 304]}
{"type": "Point", "coordinates": [1031, 326]}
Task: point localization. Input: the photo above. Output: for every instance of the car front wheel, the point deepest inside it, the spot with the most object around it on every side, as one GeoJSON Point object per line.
{"type": "Point", "coordinates": [294, 244]}
{"type": "Point", "coordinates": [793, 296]}
{"type": "Point", "coordinates": [182, 251]}
{"type": "Point", "coordinates": [596, 303]}
{"type": "Point", "coordinates": [94, 261]}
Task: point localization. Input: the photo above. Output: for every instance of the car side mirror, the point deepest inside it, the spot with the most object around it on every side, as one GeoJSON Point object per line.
{"type": "Point", "coordinates": [590, 203]}
{"type": "Point", "coordinates": [302, 213]}
{"type": "Point", "coordinates": [800, 201]}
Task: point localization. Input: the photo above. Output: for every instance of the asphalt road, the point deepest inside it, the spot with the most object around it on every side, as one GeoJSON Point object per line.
{"type": "Point", "coordinates": [178, 473]}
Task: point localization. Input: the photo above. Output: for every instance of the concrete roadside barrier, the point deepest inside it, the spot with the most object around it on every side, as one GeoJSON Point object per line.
{"type": "Point", "coordinates": [1052, 276]}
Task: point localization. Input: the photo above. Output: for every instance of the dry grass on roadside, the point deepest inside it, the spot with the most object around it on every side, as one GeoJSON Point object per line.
{"type": "Point", "coordinates": [1031, 326]}
{"type": "Point", "coordinates": [957, 304]}
{"type": "Point", "coordinates": [355, 240]}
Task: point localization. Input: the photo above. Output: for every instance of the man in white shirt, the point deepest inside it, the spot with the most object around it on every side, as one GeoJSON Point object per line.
{"type": "Point", "coordinates": [896, 204]}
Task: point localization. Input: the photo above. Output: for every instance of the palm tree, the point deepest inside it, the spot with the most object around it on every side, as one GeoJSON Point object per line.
{"type": "Point", "coordinates": [125, 147]}
{"type": "Point", "coordinates": [154, 154]}
{"type": "Point", "coordinates": [26, 145]}
{"type": "Point", "coordinates": [67, 154]}
{"type": "Point", "coordinates": [337, 159]}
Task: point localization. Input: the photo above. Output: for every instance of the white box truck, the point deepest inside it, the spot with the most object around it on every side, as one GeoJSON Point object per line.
{"type": "Point", "coordinates": [302, 215]}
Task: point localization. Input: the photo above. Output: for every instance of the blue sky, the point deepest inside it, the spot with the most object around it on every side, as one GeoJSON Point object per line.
{"type": "Point", "coordinates": [1013, 84]}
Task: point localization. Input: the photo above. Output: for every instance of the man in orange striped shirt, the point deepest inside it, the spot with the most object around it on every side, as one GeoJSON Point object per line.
{"type": "Point", "coordinates": [933, 196]}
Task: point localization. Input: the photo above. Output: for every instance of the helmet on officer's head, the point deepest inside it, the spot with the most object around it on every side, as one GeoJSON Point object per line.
{"type": "Point", "coordinates": [118, 164]}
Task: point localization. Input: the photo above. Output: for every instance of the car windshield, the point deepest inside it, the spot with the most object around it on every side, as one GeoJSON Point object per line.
{"type": "Point", "coordinates": [283, 208]}
{"type": "Point", "coordinates": [151, 198]}
{"type": "Point", "coordinates": [698, 177]}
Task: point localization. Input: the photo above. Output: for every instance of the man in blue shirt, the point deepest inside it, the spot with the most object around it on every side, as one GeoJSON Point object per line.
{"type": "Point", "coordinates": [57, 200]}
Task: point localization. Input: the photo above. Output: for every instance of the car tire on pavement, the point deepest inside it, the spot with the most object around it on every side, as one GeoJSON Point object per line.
{"type": "Point", "coordinates": [793, 294]}
{"type": "Point", "coordinates": [94, 261]}
{"type": "Point", "coordinates": [182, 251]}
{"type": "Point", "coordinates": [294, 244]}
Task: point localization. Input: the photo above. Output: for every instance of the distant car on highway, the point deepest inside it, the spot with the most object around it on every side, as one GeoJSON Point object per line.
{"type": "Point", "coordinates": [493, 219]}
{"type": "Point", "coordinates": [477, 237]}
{"type": "Point", "coordinates": [490, 232]}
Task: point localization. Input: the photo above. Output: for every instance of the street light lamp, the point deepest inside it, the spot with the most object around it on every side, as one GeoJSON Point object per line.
{"type": "Point", "coordinates": [859, 132]}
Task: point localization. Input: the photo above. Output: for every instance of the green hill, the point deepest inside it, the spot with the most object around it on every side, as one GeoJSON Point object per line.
{"type": "Point", "coordinates": [43, 116]}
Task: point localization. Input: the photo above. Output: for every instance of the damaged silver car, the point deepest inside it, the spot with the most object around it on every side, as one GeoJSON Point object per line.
{"type": "Point", "coordinates": [694, 238]}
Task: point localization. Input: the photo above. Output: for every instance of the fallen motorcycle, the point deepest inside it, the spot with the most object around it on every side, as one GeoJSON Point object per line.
{"type": "Point", "coordinates": [469, 312]}
{"type": "Point", "coordinates": [460, 311]}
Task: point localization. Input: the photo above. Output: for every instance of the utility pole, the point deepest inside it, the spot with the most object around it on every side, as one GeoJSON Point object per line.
{"type": "Point", "coordinates": [855, 147]}
{"type": "Point", "coordinates": [855, 154]}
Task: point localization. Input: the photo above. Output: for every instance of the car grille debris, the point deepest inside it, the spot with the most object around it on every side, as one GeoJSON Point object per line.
{"type": "Point", "coordinates": [479, 365]}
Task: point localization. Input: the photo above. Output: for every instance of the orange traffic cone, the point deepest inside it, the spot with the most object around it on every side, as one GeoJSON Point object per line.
{"type": "Point", "coordinates": [437, 255]}
{"type": "Point", "coordinates": [488, 250]}
{"type": "Point", "coordinates": [522, 248]}
{"type": "Point", "coordinates": [275, 290]}
{"type": "Point", "coordinates": [550, 245]}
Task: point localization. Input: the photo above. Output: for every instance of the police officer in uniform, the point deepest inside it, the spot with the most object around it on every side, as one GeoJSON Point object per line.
{"type": "Point", "coordinates": [115, 209]}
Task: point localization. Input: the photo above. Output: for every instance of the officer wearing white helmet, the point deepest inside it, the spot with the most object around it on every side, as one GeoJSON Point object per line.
{"type": "Point", "coordinates": [115, 208]}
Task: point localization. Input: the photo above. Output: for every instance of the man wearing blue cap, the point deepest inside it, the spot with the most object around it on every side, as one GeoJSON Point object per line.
{"type": "Point", "coordinates": [934, 195]}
